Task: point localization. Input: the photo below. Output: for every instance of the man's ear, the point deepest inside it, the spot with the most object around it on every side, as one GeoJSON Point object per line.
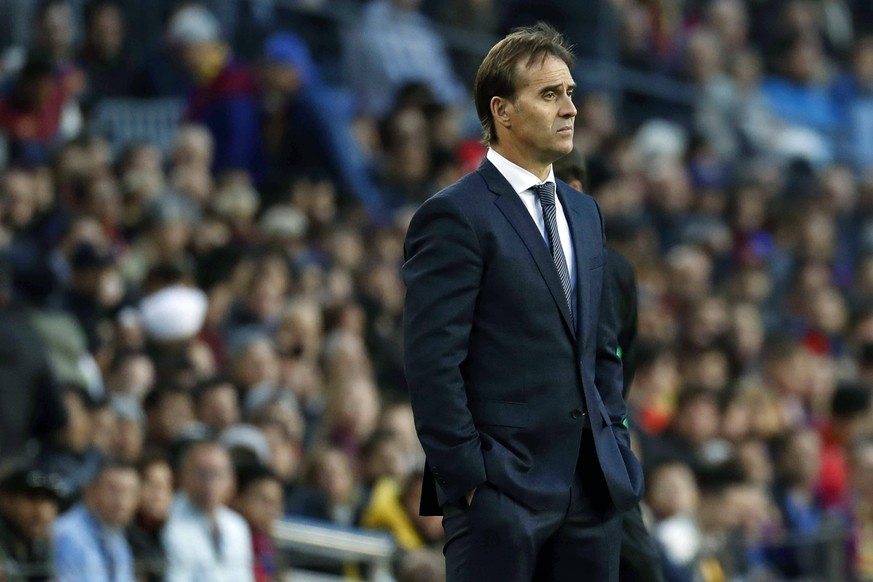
{"type": "Point", "coordinates": [500, 110]}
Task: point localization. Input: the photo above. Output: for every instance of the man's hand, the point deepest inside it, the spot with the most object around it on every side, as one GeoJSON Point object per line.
{"type": "Point", "coordinates": [470, 495]}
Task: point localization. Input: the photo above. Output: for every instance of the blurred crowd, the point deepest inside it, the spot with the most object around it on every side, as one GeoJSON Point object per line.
{"type": "Point", "coordinates": [198, 340]}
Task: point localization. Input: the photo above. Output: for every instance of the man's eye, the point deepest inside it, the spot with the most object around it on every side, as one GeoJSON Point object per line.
{"type": "Point", "coordinates": [570, 93]}
{"type": "Point", "coordinates": [549, 95]}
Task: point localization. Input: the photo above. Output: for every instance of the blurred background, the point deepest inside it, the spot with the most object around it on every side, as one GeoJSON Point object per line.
{"type": "Point", "coordinates": [202, 212]}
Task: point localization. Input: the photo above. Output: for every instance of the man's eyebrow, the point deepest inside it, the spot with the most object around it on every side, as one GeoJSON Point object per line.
{"type": "Point", "coordinates": [557, 87]}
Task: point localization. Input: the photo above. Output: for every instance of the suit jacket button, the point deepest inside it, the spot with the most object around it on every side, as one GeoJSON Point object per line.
{"type": "Point", "coordinates": [577, 413]}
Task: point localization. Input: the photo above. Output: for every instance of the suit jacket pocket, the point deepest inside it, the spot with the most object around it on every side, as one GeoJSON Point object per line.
{"type": "Point", "coordinates": [500, 413]}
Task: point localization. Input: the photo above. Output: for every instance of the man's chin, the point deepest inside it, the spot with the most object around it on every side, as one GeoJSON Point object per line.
{"type": "Point", "coordinates": [562, 150]}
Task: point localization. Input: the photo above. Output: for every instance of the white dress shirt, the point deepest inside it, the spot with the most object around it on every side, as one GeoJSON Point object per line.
{"type": "Point", "coordinates": [523, 182]}
{"type": "Point", "coordinates": [191, 553]}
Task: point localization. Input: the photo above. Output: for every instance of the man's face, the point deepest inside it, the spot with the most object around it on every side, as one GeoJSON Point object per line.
{"type": "Point", "coordinates": [219, 408]}
{"type": "Point", "coordinates": [194, 54]}
{"type": "Point", "coordinates": [33, 515]}
{"type": "Point", "coordinates": [156, 494]}
{"type": "Point", "coordinates": [114, 496]}
{"type": "Point", "coordinates": [540, 117]}
{"type": "Point", "coordinates": [207, 477]}
{"type": "Point", "coordinates": [107, 31]}
{"type": "Point", "coordinates": [261, 504]}
{"type": "Point", "coordinates": [56, 30]}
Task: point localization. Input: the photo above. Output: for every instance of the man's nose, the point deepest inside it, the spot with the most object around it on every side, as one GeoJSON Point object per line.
{"type": "Point", "coordinates": [568, 108]}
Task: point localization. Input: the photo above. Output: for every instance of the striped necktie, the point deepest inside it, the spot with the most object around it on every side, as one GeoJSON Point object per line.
{"type": "Point", "coordinates": [546, 193]}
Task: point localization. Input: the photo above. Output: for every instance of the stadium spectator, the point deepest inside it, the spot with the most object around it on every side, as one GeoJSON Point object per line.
{"type": "Point", "coordinates": [71, 453]}
{"type": "Point", "coordinates": [31, 111]}
{"type": "Point", "coordinates": [330, 471]}
{"type": "Point", "coordinates": [282, 425]}
{"type": "Point", "coordinates": [799, 503]}
{"type": "Point", "coordinates": [306, 124]}
{"type": "Point", "coordinates": [126, 434]}
{"type": "Point", "coordinates": [216, 404]}
{"type": "Point", "coordinates": [29, 504]}
{"type": "Point", "coordinates": [695, 425]}
{"type": "Point", "coordinates": [109, 70]}
{"type": "Point", "coordinates": [259, 500]}
{"type": "Point", "coordinates": [169, 412]}
{"type": "Point", "coordinates": [849, 421]}
{"type": "Point", "coordinates": [853, 96]}
{"type": "Point", "coordinates": [202, 536]}
{"type": "Point", "coordinates": [54, 35]}
{"type": "Point", "coordinates": [88, 541]}
{"type": "Point", "coordinates": [144, 532]}
{"type": "Point", "coordinates": [857, 511]}
{"type": "Point", "coordinates": [799, 95]}
{"type": "Point", "coordinates": [673, 497]}
{"type": "Point", "coordinates": [95, 291]}
{"type": "Point", "coordinates": [225, 96]}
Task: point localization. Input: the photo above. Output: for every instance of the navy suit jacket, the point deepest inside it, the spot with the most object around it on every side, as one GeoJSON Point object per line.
{"type": "Point", "coordinates": [498, 370]}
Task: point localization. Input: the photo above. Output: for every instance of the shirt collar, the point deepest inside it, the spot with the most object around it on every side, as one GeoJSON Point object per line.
{"type": "Point", "coordinates": [520, 179]}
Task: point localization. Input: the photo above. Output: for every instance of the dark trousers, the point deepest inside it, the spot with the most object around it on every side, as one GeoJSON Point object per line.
{"type": "Point", "coordinates": [498, 539]}
{"type": "Point", "coordinates": [640, 561]}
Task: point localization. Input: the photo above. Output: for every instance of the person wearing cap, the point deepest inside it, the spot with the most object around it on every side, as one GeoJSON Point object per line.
{"type": "Point", "coordinates": [225, 95]}
{"type": "Point", "coordinates": [95, 289]}
{"type": "Point", "coordinates": [88, 541]}
{"type": "Point", "coordinates": [308, 125]}
{"type": "Point", "coordinates": [71, 453]}
{"type": "Point", "coordinates": [204, 539]}
{"type": "Point", "coordinates": [29, 502]}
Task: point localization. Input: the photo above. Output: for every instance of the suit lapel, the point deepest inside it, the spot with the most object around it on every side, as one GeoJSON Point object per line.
{"type": "Point", "coordinates": [516, 213]}
{"type": "Point", "coordinates": [575, 219]}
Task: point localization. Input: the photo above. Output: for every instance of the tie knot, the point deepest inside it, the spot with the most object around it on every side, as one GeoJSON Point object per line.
{"type": "Point", "coordinates": [546, 193]}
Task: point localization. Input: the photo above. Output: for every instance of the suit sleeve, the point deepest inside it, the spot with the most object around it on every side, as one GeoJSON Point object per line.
{"type": "Point", "coordinates": [608, 373]}
{"type": "Point", "coordinates": [626, 295]}
{"type": "Point", "coordinates": [442, 274]}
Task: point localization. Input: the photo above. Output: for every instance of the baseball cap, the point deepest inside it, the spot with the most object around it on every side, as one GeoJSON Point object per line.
{"type": "Point", "coordinates": [192, 25]}
{"type": "Point", "coordinates": [34, 482]}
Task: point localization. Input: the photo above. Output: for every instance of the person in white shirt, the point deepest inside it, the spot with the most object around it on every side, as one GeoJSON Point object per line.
{"type": "Point", "coordinates": [204, 540]}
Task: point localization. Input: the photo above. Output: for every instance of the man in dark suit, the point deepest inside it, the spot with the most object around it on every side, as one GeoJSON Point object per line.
{"type": "Point", "coordinates": [618, 313]}
{"type": "Point", "coordinates": [528, 458]}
